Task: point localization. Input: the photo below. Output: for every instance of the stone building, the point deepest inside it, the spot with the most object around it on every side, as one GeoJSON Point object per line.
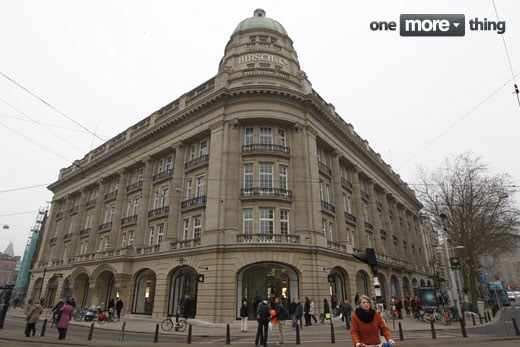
{"type": "Point", "coordinates": [248, 185]}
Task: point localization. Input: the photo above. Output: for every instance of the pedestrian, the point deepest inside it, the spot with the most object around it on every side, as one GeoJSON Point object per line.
{"type": "Point", "coordinates": [368, 325]}
{"type": "Point", "coordinates": [65, 316]}
{"type": "Point", "coordinates": [119, 307]}
{"type": "Point", "coordinates": [298, 314]}
{"type": "Point", "coordinates": [347, 311]}
{"type": "Point", "coordinates": [279, 318]}
{"type": "Point", "coordinates": [326, 310]}
{"type": "Point", "coordinates": [406, 304]}
{"type": "Point", "coordinates": [263, 315]}
{"type": "Point", "coordinates": [33, 316]}
{"type": "Point", "coordinates": [356, 299]}
{"type": "Point", "coordinates": [244, 315]}
{"type": "Point", "coordinates": [56, 310]}
{"type": "Point", "coordinates": [292, 309]}
{"type": "Point", "coordinates": [312, 314]}
{"type": "Point", "coordinates": [306, 311]}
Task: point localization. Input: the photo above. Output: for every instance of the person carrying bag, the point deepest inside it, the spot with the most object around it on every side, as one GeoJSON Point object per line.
{"type": "Point", "coordinates": [367, 326]}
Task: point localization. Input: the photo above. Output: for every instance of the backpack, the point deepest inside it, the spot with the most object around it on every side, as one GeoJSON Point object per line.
{"type": "Point", "coordinates": [264, 312]}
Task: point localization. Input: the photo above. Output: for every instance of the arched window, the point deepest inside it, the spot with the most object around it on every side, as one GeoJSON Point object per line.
{"type": "Point", "coordinates": [144, 292]}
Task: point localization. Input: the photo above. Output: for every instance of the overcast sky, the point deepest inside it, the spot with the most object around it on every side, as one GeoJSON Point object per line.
{"type": "Point", "coordinates": [99, 67]}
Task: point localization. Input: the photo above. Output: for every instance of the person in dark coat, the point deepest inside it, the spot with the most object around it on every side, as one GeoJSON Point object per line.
{"type": "Point", "coordinates": [119, 307]}
{"type": "Point", "coordinates": [244, 315]}
{"type": "Point", "coordinates": [306, 311]}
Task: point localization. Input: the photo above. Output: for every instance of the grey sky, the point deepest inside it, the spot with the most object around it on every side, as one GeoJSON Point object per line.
{"type": "Point", "coordinates": [109, 64]}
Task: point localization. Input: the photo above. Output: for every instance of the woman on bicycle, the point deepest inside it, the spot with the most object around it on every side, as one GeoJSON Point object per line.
{"type": "Point", "coordinates": [367, 325]}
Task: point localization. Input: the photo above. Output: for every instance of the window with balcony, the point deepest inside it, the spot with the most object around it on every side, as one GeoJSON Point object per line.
{"type": "Point", "coordinates": [266, 175]}
{"type": "Point", "coordinates": [283, 169]}
{"type": "Point", "coordinates": [151, 236]}
{"type": "Point", "coordinates": [266, 135]}
{"type": "Point", "coordinates": [185, 229]}
{"type": "Point", "coordinates": [130, 237]}
{"type": "Point", "coordinates": [163, 168]}
{"type": "Point", "coordinates": [249, 137]}
{"type": "Point", "coordinates": [247, 221]}
{"type": "Point", "coordinates": [266, 221]}
{"type": "Point", "coordinates": [282, 141]}
{"type": "Point", "coordinates": [197, 227]}
{"type": "Point", "coordinates": [248, 176]}
{"type": "Point", "coordinates": [284, 221]}
{"type": "Point", "coordinates": [200, 185]}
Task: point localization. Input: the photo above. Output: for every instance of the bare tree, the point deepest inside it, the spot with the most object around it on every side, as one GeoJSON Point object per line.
{"type": "Point", "coordinates": [480, 210]}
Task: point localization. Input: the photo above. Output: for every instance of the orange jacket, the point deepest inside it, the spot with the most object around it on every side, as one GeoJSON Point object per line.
{"type": "Point", "coordinates": [368, 333]}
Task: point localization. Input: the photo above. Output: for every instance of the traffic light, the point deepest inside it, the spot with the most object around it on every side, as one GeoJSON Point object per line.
{"type": "Point", "coordinates": [367, 257]}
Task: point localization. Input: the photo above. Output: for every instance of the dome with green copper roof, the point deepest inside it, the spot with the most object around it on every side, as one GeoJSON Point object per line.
{"type": "Point", "coordinates": [260, 21]}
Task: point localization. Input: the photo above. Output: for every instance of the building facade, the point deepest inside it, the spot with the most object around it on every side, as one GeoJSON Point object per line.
{"type": "Point", "coordinates": [250, 184]}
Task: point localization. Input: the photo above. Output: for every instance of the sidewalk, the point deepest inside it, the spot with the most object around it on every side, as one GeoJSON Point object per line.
{"type": "Point", "coordinates": [218, 331]}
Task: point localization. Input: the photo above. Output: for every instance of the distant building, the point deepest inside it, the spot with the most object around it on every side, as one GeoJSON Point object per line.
{"type": "Point", "coordinates": [248, 185]}
{"type": "Point", "coordinates": [9, 266]}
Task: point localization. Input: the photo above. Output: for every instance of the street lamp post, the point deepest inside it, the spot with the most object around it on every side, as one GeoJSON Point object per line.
{"type": "Point", "coordinates": [453, 282]}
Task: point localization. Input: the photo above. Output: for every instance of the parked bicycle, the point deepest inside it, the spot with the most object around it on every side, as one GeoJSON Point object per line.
{"type": "Point", "coordinates": [168, 323]}
{"type": "Point", "coordinates": [443, 316]}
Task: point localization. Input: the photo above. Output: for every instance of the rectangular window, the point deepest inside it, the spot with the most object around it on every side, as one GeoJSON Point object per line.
{"type": "Point", "coordinates": [193, 151]}
{"type": "Point", "coordinates": [130, 237]}
{"type": "Point", "coordinates": [281, 138]}
{"type": "Point", "coordinates": [247, 221]}
{"type": "Point", "coordinates": [266, 136]}
{"type": "Point", "coordinates": [327, 192]}
{"type": "Point", "coordinates": [266, 221]}
{"type": "Point", "coordinates": [248, 175]}
{"type": "Point", "coordinates": [197, 227]}
{"type": "Point", "coordinates": [203, 148]}
{"type": "Point", "coordinates": [107, 243]}
{"type": "Point", "coordinates": [321, 191]}
{"type": "Point", "coordinates": [266, 175]}
{"type": "Point", "coordinates": [249, 136]}
{"type": "Point", "coordinates": [164, 164]}
{"type": "Point", "coordinates": [109, 213]}
{"type": "Point", "coordinates": [123, 240]}
{"type": "Point", "coordinates": [283, 177]}
{"type": "Point", "coordinates": [165, 196]}
{"type": "Point", "coordinates": [186, 228]}
{"type": "Point", "coordinates": [188, 188]}
{"type": "Point", "coordinates": [151, 236]}
{"type": "Point", "coordinates": [156, 199]}
{"type": "Point", "coordinates": [331, 231]}
{"type": "Point", "coordinates": [324, 226]}
{"type": "Point", "coordinates": [160, 233]}
{"type": "Point", "coordinates": [135, 208]}
{"type": "Point", "coordinates": [284, 221]}
{"type": "Point", "coordinates": [200, 186]}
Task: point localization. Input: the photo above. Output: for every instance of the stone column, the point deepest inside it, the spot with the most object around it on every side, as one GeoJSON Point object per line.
{"type": "Point", "coordinates": [98, 216]}
{"type": "Point", "coordinates": [341, 227]}
{"type": "Point", "coordinates": [360, 234]}
{"type": "Point", "coordinates": [173, 227]}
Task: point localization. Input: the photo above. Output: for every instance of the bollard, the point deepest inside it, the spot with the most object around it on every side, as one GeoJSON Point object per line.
{"type": "Point", "coordinates": [43, 327]}
{"type": "Point", "coordinates": [516, 327]}
{"type": "Point", "coordinates": [480, 318]}
{"type": "Point", "coordinates": [332, 336]}
{"type": "Point", "coordinates": [156, 335]}
{"type": "Point", "coordinates": [473, 318]}
{"type": "Point", "coordinates": [297, 333]}
{"type": "Point", "coordinates": [463, 327]}
{"type": "Point", "coordinates": [90, 332]}
{"type": "Point", "coordinates": [122, 336]}
{"type": "Point", "coordinates": [432, 327]}
{"type": "Point", "coordinates": [401, 336]}
{"type": "Point", "coordinates": [189, 335]}
{"type": "Point", "coordinates": [228, 336]}
{"type": "Point", "coordinates": [485, 317]}
{"type": "Point", "coordinates": [489, 316]}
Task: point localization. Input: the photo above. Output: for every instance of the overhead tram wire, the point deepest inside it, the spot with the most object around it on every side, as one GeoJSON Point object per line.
{"type": "Point", "coordinates": [483, 101]}
{"type": "Point", "coordinates": [516, 91]}
{"type": "Point", "coordinates": [61, 113]}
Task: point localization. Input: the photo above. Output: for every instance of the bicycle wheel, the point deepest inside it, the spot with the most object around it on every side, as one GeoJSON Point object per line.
{"type": "Point", "coordinates": [180, 326]}
{"type": "Point", "coordinates": [167, 324]}
{"type": "Point", "coordinates": [427, 317]}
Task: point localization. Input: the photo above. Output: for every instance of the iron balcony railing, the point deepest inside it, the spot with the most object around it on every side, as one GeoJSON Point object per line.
{"type": "Point", "coordinates": [350, 217]}
{"type": "Point", "coordinates": [111, 195]}
{"type": "Point", "coordinates": [327, 206]}
{"type": "Point", "coordinates": [163, 174]}
{"type": "Point", "coordinates": [323, 167]}
{"type": "Point", "coordinates": [265, 147]}
{"type": "Point", "coordinates": [270, 192]}
{"type": "Point", "coordinates": [346, 183]}
{"type": "Point", "coordinates": [129, 219]}
{"type": "Point", "coordinates": [197, 201]}
{"type": "Point", "coordinates": [159, 211]}
{"type": "Point", "coordinates": [203, 159]}
{"type": "Point", "coordinates": [134, 186]}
